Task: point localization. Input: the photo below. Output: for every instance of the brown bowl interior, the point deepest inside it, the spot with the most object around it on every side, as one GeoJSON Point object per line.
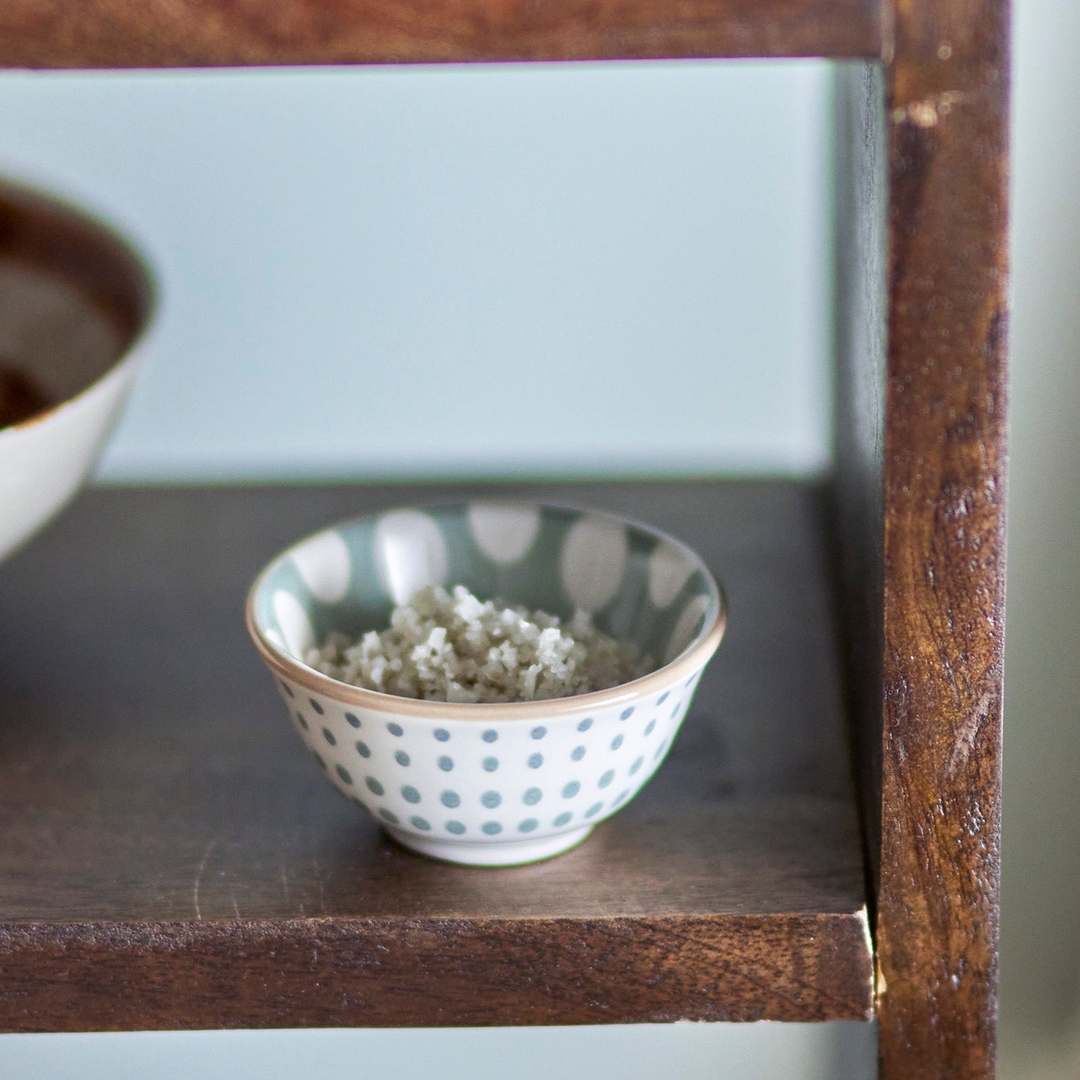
{"type": "Point", "coordinates": [87, 286]}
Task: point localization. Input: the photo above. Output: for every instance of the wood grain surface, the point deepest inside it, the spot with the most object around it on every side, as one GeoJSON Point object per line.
{"type": "Point", "coordinates": [170, 857]}
{"type": "Point", "coordinates": [923, 427]}
{"type": "Point", "coordinates": [195, 33]}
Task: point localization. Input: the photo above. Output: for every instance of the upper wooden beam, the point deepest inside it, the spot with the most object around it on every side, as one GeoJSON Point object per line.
{"type": "Point", "coordinates": [225, 33]}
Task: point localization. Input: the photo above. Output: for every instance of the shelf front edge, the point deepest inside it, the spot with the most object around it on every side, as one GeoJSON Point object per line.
{"type": "Point", "coordinates": [432, 973]}
{"type": "Point", "coordinates": [192, 33]}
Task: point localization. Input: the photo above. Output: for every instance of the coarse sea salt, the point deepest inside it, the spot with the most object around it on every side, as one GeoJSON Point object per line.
{"type": "Point", "coordinates": [450, 646]}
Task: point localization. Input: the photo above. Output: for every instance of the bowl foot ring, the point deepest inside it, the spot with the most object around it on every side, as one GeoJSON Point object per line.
{"type": "Point", "coordinates": [489, 853]}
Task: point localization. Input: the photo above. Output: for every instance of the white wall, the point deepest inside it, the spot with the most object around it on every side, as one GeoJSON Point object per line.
{"type": "Point", "coordinates": [439, 271]}
{"type": "Point", "coordinates": [1040, 954]}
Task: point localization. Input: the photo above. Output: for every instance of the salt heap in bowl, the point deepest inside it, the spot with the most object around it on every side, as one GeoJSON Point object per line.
{"type": "Point", "coordinates": [451, 646]}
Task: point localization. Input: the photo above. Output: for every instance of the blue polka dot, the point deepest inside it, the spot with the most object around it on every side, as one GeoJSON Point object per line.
{"type": "Point", "coordinates": [690, 680]}
{"type": "Point", "coordinates": [374, 786]}
{"type": "Point", "coordinates": [446, 763]}
{"type": "Point", "coordinates": [637, 765]}
{"type": "Point", "coordinates": [389, 815]}
{"type": "Point", "coordinates": [616, 742]}
{"type": "Point", "coordinates": [532, 796]}
{"type": "Point", "coordinates": [301, 721]}
{"type": "Point", "coordinates": [626, 713]}
{"type": "Point", "coordinates": [606, 778]}
{"type": "Point", "coordinates": [491, 828]}
{"type": "Point", "coordinates": [288, 689]}
{"type": "Point", "coordinates": [571, 789]}
{"type": "Point", "coordinates": [490, 764]}
{"type": "Point", "coordinates": [442, 734]}
{"type": "Point", "coordinates": [621, 796]}
{"type": "Point", "coordinates": [455, 827]}
{"type": "Point", "coordinates": [354, 721]}
{"type": "Point", "coordinates": [660, 749]}
{"type": "Point", "coordinates": [649, 727]}
{"type": "Point", "coordinates": [529, 825]}
{"type": "Point", "coordinates": [538, 732]}
{"type": "Point", "coordinates": [343, 773]}
{"type": "Point", "coordinates": [594, 809]}
{"type": "Point", "coordinates": [363, 749]}
{"type": "Point", "coordinates": [585, 724]}
{"type": "Point", "coordinates": [410, 794]}
{"type": "Point", "coordinates": [663, 697]}
{"type": "Point", "coordinates": [401, 757]}
{"type": "Point", "coordinates": [578, 753]}
{"type": "Point", "coordinates": [420, 823]}
{"type": "Point", "coordinates": [450, 799]}
{"type": "Point", "coordinates": [328, 735]}
{"type": "Point", "coordinates": [491, 799]}
{"type": "Point", "coordinates": [490, 735]}
{"type": "Point", "coordinates": [316, 706]}
{"type": "Point", "coordinates": [536, 760]}
{"type": "Point", "coordinates": [395, 729]}
{"type": "Point", "coordinates": [353, 798]}
{"type": "Point", "coordinates": [675, 711]}
{"type": "Point", "coordinates": [318, 757]}
{"type": "Point", "coordinates": [562, 819]}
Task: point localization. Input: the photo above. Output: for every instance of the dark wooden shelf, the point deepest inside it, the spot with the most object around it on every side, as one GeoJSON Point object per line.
{"type": "Point", "coordinates": [196, 33]}
{"type": "Point", "coordinates": [170, 858]}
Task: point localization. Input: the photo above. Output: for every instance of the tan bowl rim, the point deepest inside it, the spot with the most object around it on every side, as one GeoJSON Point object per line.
{"type": "Point", "coordinates": [683, 667]}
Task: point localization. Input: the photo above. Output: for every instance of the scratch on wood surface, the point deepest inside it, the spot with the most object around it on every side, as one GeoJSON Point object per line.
{"type": "Point", "coordinates": [198, 876]}
{"type": "Point", "coordinates": [964, 742]}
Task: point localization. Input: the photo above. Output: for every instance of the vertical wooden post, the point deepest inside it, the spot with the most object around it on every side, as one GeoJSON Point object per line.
{"type": "Point", "coordinates": [921, 445]}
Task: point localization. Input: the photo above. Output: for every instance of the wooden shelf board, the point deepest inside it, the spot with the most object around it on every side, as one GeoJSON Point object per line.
{"type": "Point", "coordinates": [197, 33]}
{"type": "Point", "coordinates": [170, 857]}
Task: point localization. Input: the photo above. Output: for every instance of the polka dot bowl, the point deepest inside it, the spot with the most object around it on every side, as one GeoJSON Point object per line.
{"type": "Point", "coordinates": [489, 784]}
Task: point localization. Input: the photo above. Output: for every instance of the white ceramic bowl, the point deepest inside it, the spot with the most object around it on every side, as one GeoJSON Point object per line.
{"type": "Point", "coordinates": [75, 301]}
{"type": "Point", "coordinates": [489, 784]}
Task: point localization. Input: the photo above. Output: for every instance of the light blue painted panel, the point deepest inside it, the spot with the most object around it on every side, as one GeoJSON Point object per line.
{"type": "Point", "coordinates": [837, 1051]}
{"type": "Point", "coordinates": [441, 271]}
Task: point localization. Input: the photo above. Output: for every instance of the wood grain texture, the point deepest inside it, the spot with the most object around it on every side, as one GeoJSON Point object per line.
{"type": "Point", "coordinates": [196, 33]}
{"type": "Point", "coordinates": [170, 857]}
{"type": "Point", "coordinates": [944, 484]}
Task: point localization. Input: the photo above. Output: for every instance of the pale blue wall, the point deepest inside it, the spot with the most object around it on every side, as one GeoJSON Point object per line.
{"type": "Point", "coordinates": [835, 1051]}
{"type": "Point", "coordinates": [593, 269]}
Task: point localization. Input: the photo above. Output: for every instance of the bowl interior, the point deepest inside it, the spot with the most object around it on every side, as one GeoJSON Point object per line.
{"type": "Point", "coordinates": [639, 585]}
{"type": "Point", "coordinates": [72, 299]}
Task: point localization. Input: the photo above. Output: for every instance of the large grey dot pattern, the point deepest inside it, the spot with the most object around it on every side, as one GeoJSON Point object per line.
{"type": "Point", "coordinates": [414, 745]}
{"type": "Point", "coordinates": [590, 560]}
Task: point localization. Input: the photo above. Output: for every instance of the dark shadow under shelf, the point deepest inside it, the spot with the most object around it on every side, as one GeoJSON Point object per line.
{"type": "Point", "coordinates": [170, 858]}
